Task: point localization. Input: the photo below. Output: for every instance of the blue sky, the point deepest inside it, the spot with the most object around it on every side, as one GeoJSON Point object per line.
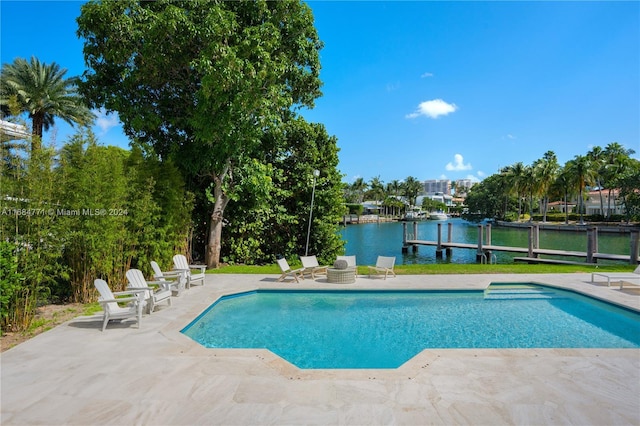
{"type": "Point", "coordinates": [433, 89]}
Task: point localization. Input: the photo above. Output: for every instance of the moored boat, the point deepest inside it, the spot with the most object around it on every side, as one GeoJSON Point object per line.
{"type": "Point", "coordinates": [438, 216]}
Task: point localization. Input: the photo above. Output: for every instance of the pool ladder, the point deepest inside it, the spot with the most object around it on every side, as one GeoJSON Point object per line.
{"type": "Point", "coordinates": [492, 259]}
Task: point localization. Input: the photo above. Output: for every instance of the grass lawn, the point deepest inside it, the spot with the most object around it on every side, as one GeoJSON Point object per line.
{"type": "Point", "coordinates": [449, 268]}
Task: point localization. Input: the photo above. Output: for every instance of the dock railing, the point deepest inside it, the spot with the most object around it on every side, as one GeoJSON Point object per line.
{"type": "Point", "coordinates": [484, 248]}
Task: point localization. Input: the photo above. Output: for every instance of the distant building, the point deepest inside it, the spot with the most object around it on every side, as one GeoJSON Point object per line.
{"type": "Point", "coordinates": [462, 187]}
{"type": "Point", "coordinates": [12, 131]}
{"type": "Point", "coordinates": [435, 186]}
{"type": "Point", "coordinates": [438, 196]}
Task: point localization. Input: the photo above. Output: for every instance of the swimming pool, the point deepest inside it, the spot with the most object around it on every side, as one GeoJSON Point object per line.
{"type": "Point", "coordinates": [384, 329]}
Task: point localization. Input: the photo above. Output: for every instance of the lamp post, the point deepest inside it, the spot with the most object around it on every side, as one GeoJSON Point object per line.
{"type": "Point", "coordinates": [316, 173]}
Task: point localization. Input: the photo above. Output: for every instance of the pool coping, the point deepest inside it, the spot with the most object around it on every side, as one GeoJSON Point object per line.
{"type": "Point", "coordinates": [75, 374]}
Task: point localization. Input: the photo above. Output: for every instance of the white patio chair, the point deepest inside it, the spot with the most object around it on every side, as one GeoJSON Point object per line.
{"type": "Point", "coordinates": [180, 264]}
{"type": "Point", "coordinates": [351, 262]}
{"type": "Point", "coordinates": [110, 304]}
{"type": "Point", "coordinates": [631, 277]}
{"type": "Point", "coordinates": [154, 296]}
{"type": "Point", "coordinates": [311, 266]}
{"type": "Point", "coordinates": [287, 271]}
{"type": "Point", "coordinates": [384, 265]}
{"type": "Point", "coordinates": [176, 280]}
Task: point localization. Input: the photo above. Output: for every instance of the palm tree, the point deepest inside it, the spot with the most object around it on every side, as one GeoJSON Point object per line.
{"type": "Point", "coordinates": [616, 157]}
{"type": "Point", "coordinates": [392, 190]}
{"type": "Point", "coordinates": [516, 177]}
{"type": "Point", "coordinates": [562, 185]}
{"type": "Point", "coordinates": [42, 91]}
{"type": "Point", "coordinates": [359, 186]}
{"type": "Point", "coordinates": [411, 188]}
{"type": "Point", "coordinates": [598, 162]}
{"type": "Point", "coordinates": [545, 172]}
{"type": "Point", "coordinates": [582, 175]}
{"type": "Point", "coordinates": [376, 188]}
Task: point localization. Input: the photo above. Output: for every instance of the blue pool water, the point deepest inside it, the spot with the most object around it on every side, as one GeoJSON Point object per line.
{"type": "Point", "coordinates": [384, 329]}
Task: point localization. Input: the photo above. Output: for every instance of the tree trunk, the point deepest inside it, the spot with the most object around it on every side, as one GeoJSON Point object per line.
{"type": "Point", "coordinates": [601, 200]}
{"type": "Point", "coordinates": [37, 124]}
{"type": "Point", "coordinates": [214, 239]}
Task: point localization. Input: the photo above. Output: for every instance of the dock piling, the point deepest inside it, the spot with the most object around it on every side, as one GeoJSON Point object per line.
{"type": "Point", "coordinates": [633, 253]}
{"type": "Point", "coordinates": [439, 246]}
{"type": "Point", "coordinates": [479, 253]}
{"type": "Point", "coordinates": [405, 247]}
{"type": "Point", "coordinates": [531, 243]}
{"type": "Point", "coordinates": [591, 243]}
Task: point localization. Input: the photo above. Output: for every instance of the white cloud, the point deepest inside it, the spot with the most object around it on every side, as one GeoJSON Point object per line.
{"type": "Point", "coordinates": [106, 121]}
{"type": "Point", "coordinates": [458, 164]}
{"type": "Point", "coordinates": [433, 109]}
{"type": "Point", "coordinates": [426, 74]}
{"type": "Point", "coordinates": [443, 177]}
{"type": "Point", "coordinates": [481, 174]}
{"type": "Point", "coordinates": [473, 178]}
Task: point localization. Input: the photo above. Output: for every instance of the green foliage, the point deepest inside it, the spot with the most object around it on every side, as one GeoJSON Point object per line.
{"type": "Point", "coordinates": [93, 213]}
{"type": "Point", "coordinates": [10, 281]}
{"type": "Point", "coordinates": [266, 224]}
{"type": "Point", "coordinates": [355, 208]}
{"type": "Point", "coordinates": [86, 212]}
{"type": "Point", "coordinates": [29, 191]}
{"type": "Point", "coordinates": [498, 195]}
{"type": "Point", "coordinates": [203, 82]}
{"type": "Point", "coordinates": [432, 205]}
{"type": "Point", "coordinates": [42, 91]}
{"type": "Point", "coordinates": [489, 198]}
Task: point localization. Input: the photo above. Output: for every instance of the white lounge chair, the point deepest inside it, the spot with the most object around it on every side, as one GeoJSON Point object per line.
{"type": "Point", "coordinates": [176, 280]}
{"type": "Point", "coordinates": [180, 264]}
{"type": "Point", "coordinates": [619, 276]}
{"type": "Point", "coordinates": [287, 271]}
{"type": "Point", "coordinates": [153, 296]}
{"type": "Point", "coordinates": [110, 304]}
{"type": "Point", "coordinates": [311, 266]}
{"type": "Point", "coordinates": [384, 265]}
{"type": "Point", "coordinates": [351, 262]}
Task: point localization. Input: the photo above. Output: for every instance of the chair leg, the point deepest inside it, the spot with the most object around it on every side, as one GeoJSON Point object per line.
{"type": "Point", "coordinates": [139, 315]}
{"type": "Point", "coordinates": [105, 321]}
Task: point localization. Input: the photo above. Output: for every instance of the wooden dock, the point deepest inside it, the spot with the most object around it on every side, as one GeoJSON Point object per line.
{"type": "Point", "coordinates": [484, 248]}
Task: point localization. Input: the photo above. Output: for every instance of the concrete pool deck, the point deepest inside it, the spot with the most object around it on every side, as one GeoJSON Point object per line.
{"type": "Point", "coordinates": [75, 374]}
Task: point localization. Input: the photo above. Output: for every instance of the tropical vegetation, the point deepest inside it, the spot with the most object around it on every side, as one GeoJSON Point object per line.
{"type": "Point", "coordinates": [207, 93]}
{"type": "Point", "coordinates": [611, 170]}
{"type": "Point", "coordinates": [214, 86]}
{"type": "Point", "coordinates": [42, 91]}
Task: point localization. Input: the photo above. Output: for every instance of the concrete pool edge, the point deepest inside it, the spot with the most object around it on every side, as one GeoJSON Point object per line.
{"type": "Point", "coordinates": [75, 374]}
{"type": "Point", "coordinates": [286, 368]}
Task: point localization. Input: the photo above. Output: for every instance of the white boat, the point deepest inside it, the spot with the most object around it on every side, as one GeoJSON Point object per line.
{"type": "Point", "coordinates": [438, 216]}
{"type": "Point", "coordinates": [413, 216]}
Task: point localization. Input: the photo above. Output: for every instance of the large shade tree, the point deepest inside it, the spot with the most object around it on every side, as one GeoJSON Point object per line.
{"type": "Point", "coordinates": [202, 81]}
{"type": "Point", "coordinates": [44, 93]}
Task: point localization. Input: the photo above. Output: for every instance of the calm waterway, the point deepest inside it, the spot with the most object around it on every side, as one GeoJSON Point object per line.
{"type": "Point", "coordinates": [368, 241]}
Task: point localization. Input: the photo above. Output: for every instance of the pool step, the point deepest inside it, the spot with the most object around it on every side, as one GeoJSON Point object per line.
{"type": "Point", "coordinates": [528, 293]}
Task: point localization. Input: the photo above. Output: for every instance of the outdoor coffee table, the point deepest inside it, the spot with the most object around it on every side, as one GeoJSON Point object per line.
{"type": "Point", "coordinates": [341, 276]}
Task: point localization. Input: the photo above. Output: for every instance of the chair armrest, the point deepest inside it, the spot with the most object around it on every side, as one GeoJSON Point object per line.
{"type": "Point", "coordinates": [202, 268]}
{"type": "Point", "coordinates": [139, 289]}
{"type": "Point", "coordinates": [132, 290]}
{"type": "Point", "coordinates": [171, 274]}
{"type": "Point", "coordinates": [120, 300]}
